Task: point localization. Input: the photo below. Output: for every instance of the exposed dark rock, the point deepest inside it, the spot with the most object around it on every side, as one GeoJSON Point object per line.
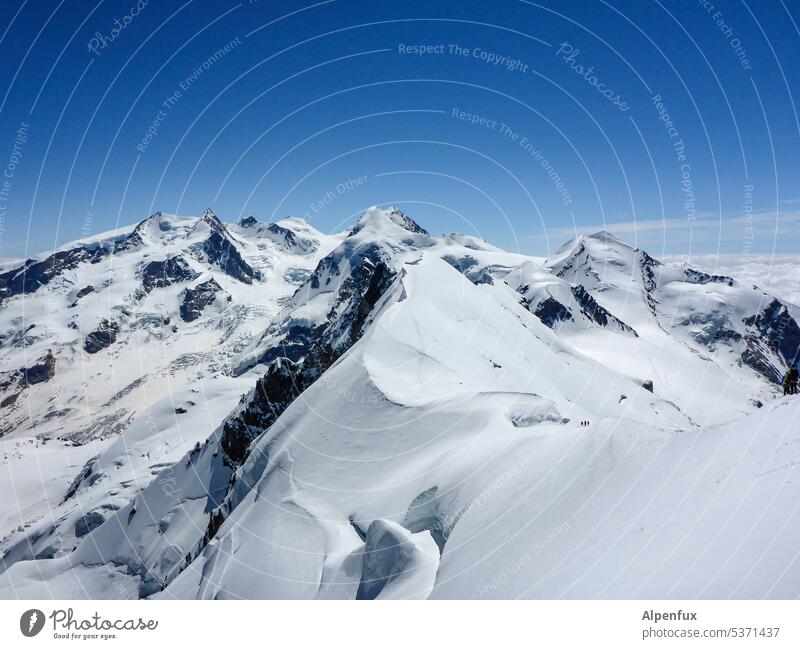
{"type": "Point", "coordinates": [131, 242]}
{"type": "Point", "coordinates": [248, 221]}
{"type": "Point", "coordinates": [714, 329]}
{"type": "Point", "coordinates": [158, 274]}
{"type": "Point", "coordinates": [294, 362]}
{"type": "Point", "coordinates": [220, 250]}
{"type": "Point", "coordinates": [102, 337]}
{"type": "Point", "coordinates": [649, 266]}
{"type": "Point", "coordinates": [82, 293]}
{"type": "Point", "coordinates": [773, 342]}
{"type": "Point", "coordinates": [379, 280]}
{"type": "Point", "coordinates": [7, 379]}
{"type": "Point", "coordinates": [87, 523]}
{"type": "Point", "coordinates": [295, 343]}
{"type": "Point", "coordinates": [14, 382]}
{"type": "Point", "coordinates": [215, 521]}
{"type": "Point", "coordinates": [43, 370]}
{"type": "Point", "coordinates": [198, 298]}
{"type": "Point", "coordinates": [699, 277]}
{"type": "Point", "coordinates": [328, 267]}
{"type": "Point", "coordinates": [356, 297]}
{"type": "Point", "coordinates": [569, 268]}
{"type": "Point", "coordinates": [19, 338]}
{"type": "Point", "coordinates": [274, 392]}
{"type": "Point", "coordinates": [283, 235]}
{"type": "Point", "coordinates": [304, 354]}
{"type": "Point", "coordinates": [33, 274]}
{"type": "Point", "coordinates": [48, 553]}
{"type": "Point", "coordinates": [286, 239]}
{"type": "Point", "coordinates": [648, 385]}
{"type": "Point", "coordinates": [471, 269]}
{"type": "Point", "coordinates": [407, 222]}
{"type": "Point", "coordinates": [550, 311]}
{"type": "Point", "coordinates": [78, 480]}
{"type": "Point", "coordinates": [135, 239]}
{"type": "Point", "coordinates": [462, 264]}
{"type": "Point", "coordinates": [592, 310]}
{"type": "Point", "coordinates": [212, 221]}
{"type": "Point", "coordinates": [398, 218]}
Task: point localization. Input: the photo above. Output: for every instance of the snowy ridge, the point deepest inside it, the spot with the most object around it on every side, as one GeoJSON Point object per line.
{"type": "Point", "coordinates": [408, 425]}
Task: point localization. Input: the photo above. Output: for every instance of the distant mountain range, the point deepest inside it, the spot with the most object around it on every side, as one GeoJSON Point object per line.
{"type": "Point", "coordinates": [262, 410]}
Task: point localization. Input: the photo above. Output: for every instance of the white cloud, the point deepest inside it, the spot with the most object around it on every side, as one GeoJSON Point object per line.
{"type": "Point", "coordinates": [707, 231]}
{"type": "Point", "coordinates": [778, 275]}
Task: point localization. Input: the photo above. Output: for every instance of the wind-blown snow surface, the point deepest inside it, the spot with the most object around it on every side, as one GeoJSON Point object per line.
{"type": "Point", "coordinates": [416, 432]}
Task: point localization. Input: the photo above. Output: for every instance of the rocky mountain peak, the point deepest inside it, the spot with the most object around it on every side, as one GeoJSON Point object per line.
{"type": "Point", "coordinates": [378, 219]}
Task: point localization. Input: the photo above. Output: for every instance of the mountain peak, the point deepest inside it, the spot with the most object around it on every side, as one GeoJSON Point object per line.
{"type": "Point", "coordinates": [607, 237]}
{"type": "Point", "coordinates": [296, 221]}
{"type": "Point", "coordinates": [590, 242]}
{"type": "Point", "coordinates": [376, 217]}
{"type": "Point", "coordinates": [154, 218]}
{"type": "Point", "coordinates": [210, 217]}
{"type": "Point", "coordinates": [145, 230]}
{"type": "Point", "coordinates": [209, 222]}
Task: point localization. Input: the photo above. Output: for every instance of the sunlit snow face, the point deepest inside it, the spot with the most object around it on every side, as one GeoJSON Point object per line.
{"type": "Point", "coordinates": [438, 397]}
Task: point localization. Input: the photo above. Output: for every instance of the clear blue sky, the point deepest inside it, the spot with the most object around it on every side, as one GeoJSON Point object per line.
{"type": "Point", "coordinates": [321, 110]}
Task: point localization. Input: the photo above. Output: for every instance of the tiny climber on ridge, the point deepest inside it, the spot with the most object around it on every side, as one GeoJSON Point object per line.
{"type": "Point", "coordinates": [790, 380]}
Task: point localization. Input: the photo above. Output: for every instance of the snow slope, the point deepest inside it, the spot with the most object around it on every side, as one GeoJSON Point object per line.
{"type": "Point", "coordinates": [417, 430]}
{"type": "Point", "coordinates": [155, 390]}
{"type": "Point", "coordinates": [683, 329]}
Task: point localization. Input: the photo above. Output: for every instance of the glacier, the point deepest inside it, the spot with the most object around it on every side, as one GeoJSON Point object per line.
{"type": "Point", "coordinates": [271, 412]}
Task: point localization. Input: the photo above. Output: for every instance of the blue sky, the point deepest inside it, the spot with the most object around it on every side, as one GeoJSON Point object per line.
{"type": "Point", "coordinates": [673, 124]}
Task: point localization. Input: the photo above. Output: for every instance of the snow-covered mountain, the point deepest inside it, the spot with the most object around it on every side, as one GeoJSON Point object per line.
{"type": "Point", "coordinates": [711, 345]}
{"type": "Point", "coordinates": [101, 329]}
{"type": "Point", "coordinates": [384, 413]}
{"type": "Point", "coordinates": [134, 332]}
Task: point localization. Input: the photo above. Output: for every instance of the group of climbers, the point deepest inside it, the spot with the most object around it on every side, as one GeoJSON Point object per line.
{"type": "Point", "coordinates": [790, 380]}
